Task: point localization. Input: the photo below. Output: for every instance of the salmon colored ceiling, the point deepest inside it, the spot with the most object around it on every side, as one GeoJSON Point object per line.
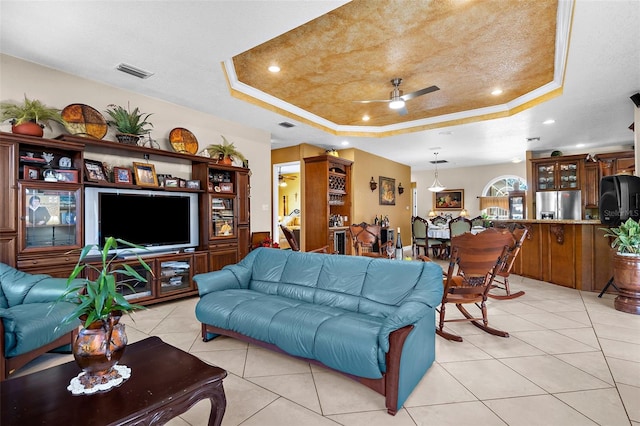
{"type": "Point", "coordinates": [467, 48]}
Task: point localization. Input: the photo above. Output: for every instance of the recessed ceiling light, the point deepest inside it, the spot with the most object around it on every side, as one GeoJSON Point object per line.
{"type": "Point", "coordinates": [365, 118]}
{"type": "Point", "coordinates": [345, 143]}
{"type": "Point", "coordinates": [274, 68]}
{"type": "Point", "coordinates": [448, 132]}
{"type": "Point", "coordinates": [516, 160]}
{"type": "Point", "coordinates": [580, 145]}
{"type": "Point", "coordinates": [497, 92]}
{"type": "Point", "coordinates": [549, 121]}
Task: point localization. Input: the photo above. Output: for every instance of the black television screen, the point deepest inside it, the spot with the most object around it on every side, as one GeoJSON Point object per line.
{"type": "Point", "coordinates": [619, 199]}
{"type": "Point", "coordinates": [145, 220]}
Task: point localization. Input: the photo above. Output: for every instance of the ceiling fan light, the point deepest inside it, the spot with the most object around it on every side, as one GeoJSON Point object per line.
{"type": "Point", "coordinates": [396, 104]}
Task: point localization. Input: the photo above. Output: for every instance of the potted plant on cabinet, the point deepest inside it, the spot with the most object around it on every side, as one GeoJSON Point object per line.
{"type": "Point", "coordinates": [626, 265]}
{"type": "Point", "coordinates": [99, 305]}
{"type": "Point", "coordinates": [29, 116]}
{"type": "Point", "coordinates": [131, 125]}
{"type": "Point", "coordinates": [225, 152]}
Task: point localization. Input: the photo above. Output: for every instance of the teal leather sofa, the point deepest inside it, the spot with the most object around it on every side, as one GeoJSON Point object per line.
{"type": "Point", "coordinates": [370, 318]}
{"type": "Point", "coordinates": [29, 317]}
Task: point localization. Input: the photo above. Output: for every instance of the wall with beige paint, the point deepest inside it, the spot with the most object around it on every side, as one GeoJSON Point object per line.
{"type": "Point", "coordinates": [58, 89]}
{"type": "Point", "coordinates": [471, 179]}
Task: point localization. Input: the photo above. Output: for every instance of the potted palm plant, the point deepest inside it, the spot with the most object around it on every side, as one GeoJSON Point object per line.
{"type": "Point", "coordinates": [99, 305]}
{"type": "Point", "coordinates": [626, 265]}
{"type": "Point", "coordinates": [131, 125]}
{"type": "Point", "coordinates": [225, 152]}
{"type": "Point", "coordinates": [29, 117]}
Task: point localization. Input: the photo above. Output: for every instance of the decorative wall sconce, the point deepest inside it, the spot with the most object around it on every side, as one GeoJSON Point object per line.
{"type": "Point", "coordinates": [373, 184]}
{"type": "Point", "coordinates": [400, 189]}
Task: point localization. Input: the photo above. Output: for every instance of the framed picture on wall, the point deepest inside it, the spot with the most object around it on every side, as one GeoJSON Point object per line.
{"type": "Point", "coordinates": [450, 199]}
{"type": "Point", "coordinates": [387, 191]}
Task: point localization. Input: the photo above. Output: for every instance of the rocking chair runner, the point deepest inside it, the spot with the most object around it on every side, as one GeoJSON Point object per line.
{"type": "Point", "coordinates": [474, 262]}
{"type": "Point", "coordinates": [502, 279]}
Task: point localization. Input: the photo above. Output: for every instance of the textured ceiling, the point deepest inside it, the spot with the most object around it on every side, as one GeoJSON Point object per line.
{"type": "Point", "coordinates": [466, 48]}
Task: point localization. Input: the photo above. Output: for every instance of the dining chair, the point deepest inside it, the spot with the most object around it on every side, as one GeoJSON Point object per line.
{"type": "Point", "coordinates": [419, 235]}
{"type": "Point", "coordinates": [257, 238]}
{"type": "Point", "coordinates": [474, 263]}
{"type": "Point", "coordinates": [365, 237]}
{"type": "Point", "coordinates": [457, 226]}
{"type": "Point", "coordinates": [477, 222]}
{"type": "Point", "coordinates": [502, 277]}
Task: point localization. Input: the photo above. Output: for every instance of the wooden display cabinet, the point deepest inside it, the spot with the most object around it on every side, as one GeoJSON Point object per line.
{"type": "Point", "coordinates": [561, 173]}
{"type": "Point", "coordinates": [328, 188]}
{"type": "Point", "coordinates": [9, 202]}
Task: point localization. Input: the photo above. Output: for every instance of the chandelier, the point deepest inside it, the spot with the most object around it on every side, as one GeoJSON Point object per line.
{"type": "Point", "coordinates": [436, 186]}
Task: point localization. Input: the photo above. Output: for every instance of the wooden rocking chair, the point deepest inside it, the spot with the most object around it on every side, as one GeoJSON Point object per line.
{"type": "Point", "coordinates": [502, 277]}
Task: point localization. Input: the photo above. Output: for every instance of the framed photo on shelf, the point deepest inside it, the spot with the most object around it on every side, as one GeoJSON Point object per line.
{"type": "Point", "coordinates": [450, 199]}
{"type": "Point", "coordinates": [193, 184]}
{"type": "Point", "coordinates": [226, 187]}
{"type": "Point", "coordinates": [95, 171]}
{"type": "Point", "coordinates": [122, 175]}
{"type": "Point", "coordinates": [30, 173]}
{"type": "Point", "coordinates": [387, 191]}
{"type": "Point", "coordinates": [67, 175]}
{"type": "Point", "coordinates": [145, 174]}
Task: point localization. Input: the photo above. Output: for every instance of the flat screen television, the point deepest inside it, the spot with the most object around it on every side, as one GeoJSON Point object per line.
{"type": "Point", "coordinates": [619, 199]}
{"type": "Point", "coordinates": [158, 221]}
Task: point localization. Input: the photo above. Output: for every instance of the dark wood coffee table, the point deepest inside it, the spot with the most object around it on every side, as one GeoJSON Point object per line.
{"type": "Point", "coordinates": [165, 382]}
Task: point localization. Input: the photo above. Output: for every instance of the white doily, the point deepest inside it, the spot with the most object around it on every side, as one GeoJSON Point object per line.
{"type": "Point", "coordinates": [77, 388]}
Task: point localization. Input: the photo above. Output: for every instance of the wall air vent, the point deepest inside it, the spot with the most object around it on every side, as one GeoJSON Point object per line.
{"type": "Point", "coordinates": [286, 124]}
{"type": "Point", "coordinates": [137, 72]}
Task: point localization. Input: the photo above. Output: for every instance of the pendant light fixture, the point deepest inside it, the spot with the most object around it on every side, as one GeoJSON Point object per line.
{"type": "Point", "coordinates": [436, 186]}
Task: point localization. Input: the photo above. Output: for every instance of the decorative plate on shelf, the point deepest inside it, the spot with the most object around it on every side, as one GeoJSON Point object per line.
{"type": "Point", "coordinates": [84, 120]}
{"type": "Point", "coordinates": [182, 140]}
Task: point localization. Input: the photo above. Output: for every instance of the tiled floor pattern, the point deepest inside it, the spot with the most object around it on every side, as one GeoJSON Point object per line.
{"type": "Point", "coordinates": [571, 359]}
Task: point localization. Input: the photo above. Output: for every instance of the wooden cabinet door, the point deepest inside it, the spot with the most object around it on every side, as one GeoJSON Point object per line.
{"type": "Point", "coordinates": [8, 250]}
{"type": "Point", "coordinates": [221, 255]}
{"type": "Point", "coordinates": [591, 185]}
{"type": "Point", "coordinates": [560, 254]}
{"type": "Point", "coordinates": [8, 189]}
{"type": "Point", "coordinates": [625, 166]}
{"type": "Point", "coordinates": [530, 254]}
{"type": "Point", "coordinates": [243, 198]}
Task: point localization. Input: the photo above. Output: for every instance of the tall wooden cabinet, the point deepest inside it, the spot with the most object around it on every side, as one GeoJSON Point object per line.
{"type": "Point", "coordinates": [327, 185]}
{"type": "Point", "coordinates": [52, 246]}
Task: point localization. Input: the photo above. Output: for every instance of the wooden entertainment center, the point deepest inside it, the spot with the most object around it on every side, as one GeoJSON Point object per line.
{"type": "Point", "coordinates": [52, 246]}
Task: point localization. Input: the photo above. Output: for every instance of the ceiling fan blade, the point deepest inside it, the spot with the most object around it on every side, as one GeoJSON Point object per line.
{"type": "Point", "coordinates": [373, 100]}
{"type": "Point", "coordinates": [419, 93]}
{"type": "Point", "coordinates": [403, 111]}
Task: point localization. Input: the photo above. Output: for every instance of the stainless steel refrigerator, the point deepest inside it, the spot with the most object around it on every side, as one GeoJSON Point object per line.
{"type": "Point", "coordinates": [559, 205]}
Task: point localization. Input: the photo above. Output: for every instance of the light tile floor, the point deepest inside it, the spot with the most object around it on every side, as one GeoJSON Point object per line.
{"type": "Point", "coordinates": [571, 359]}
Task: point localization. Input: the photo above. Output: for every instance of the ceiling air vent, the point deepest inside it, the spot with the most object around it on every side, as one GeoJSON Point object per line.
{"type": "Point", "coordinates": [286, 124]}
{"type": "Point", "coordinates": [438, 162]}
{"type": "Point", "coordinates": [137, 72]}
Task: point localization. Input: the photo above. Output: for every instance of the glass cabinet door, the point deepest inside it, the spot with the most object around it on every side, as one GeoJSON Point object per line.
{"type": "Point", "coordinates": [175, 275]}
{"type": "Point", "coordinates": [49, 217]}
{"type": "Point", "coordinates": [222, 217]}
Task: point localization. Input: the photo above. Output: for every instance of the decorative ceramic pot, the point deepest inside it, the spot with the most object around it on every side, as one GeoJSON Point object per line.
{"type": "Point", "coordinates": [128, 139]}
{"type": "Point", "coordinates": [626, 275]}
{"type": "Point", "coordinates": [30, 128]}
{"type": "Point", "coordinates": [98, 348]}
{"type": "Point", "coordinates": [226, 160]}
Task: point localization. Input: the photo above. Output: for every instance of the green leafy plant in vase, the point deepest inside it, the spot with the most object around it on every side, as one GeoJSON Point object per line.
{"type": "Point", "coordinates": [100, 305]}
{"type": "Point", "coordinates": [626, 264]}
{"type": "Point", "coordinates": [29, 117]}
{"type": "Point", "coordinates": [225, 152]}
{"type": "Point", "coordinates": [131, 125]}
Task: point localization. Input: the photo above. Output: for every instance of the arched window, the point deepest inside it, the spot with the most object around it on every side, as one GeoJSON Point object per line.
{"type": "Point", "coordinates": [492, 203]}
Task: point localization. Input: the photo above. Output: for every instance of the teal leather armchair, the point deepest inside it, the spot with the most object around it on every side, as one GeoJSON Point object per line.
{"type": "Point", "coordinates": [29, 316]}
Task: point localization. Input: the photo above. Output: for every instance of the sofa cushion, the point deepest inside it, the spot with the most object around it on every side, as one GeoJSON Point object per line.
{"type": "Point", "coordinates": [16, 285]}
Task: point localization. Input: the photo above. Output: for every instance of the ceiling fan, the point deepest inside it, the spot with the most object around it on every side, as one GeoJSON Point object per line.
{"type": "Point", "coordinates": [282, 179]}
{"type": "Point", "coordinates": [397, 99]}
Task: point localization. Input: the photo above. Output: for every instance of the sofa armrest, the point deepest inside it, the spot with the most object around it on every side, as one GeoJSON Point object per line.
{"type": "Point", "coordinates": [409, 313]}
{"type": "Point", "coordinates": [231, 276]}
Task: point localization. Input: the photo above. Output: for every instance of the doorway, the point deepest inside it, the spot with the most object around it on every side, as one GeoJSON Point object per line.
{"type": "Point", "coordinates": [286, 200]}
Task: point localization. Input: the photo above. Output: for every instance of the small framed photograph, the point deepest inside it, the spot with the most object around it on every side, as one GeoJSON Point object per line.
{"type": "Point", "coordinates": [182, 183]}
{"type": "Point", "coordinates": [162, 178]}
{"type": "Point", "coordinates": [387, 194]}
{"type": "Point", "coordinates": [193, 184]}
{"type": "Point", "coordinates": [145, 174]}
{"type": "Point", "coordinates": [95, 171]}
{"type": "Point", "coordinates": [122, 175]}
{"type": "Point", "coordinates": [226, 187]}
{"type": "Point", "coordinates": [67, 175]}
{"type": "Point", "coordinates": [30, 173]}
{"type": "Point", "coordinates": [171, 183]}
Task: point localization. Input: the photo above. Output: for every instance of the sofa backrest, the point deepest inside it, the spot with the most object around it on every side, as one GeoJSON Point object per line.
{"type": "Point", "coordinates": [15, 285]}
{"type": "Point", "coordinates": [373, 286]}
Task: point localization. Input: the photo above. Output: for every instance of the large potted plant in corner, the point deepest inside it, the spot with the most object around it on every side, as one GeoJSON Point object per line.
{"type": "Point", "coordinates": [626, 265]}
{"type": "Point", "coordinates": [29, 117]}
{"type": "Point", "coordinates": [131, 125]}
{"type": "Point", "coordinates": [225, 152]}
{"type": "Point", "coordinates": [99, 305]}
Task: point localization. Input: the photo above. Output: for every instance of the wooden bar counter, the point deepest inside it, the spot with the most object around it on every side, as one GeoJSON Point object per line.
{"type": "Point", "coordinates": [570, 253]}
